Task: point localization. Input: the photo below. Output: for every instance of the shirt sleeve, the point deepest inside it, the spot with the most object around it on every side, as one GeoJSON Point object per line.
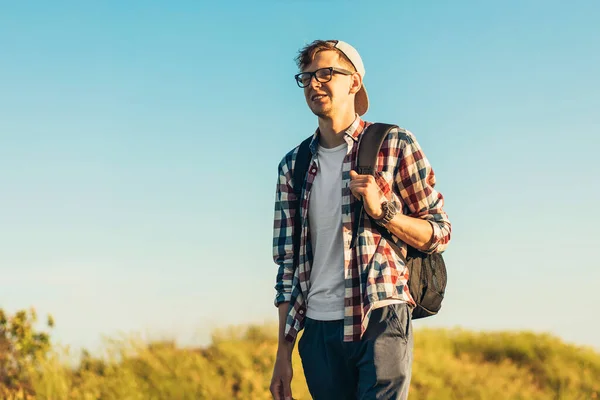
{"type": "Point", "coordinates": [283, 231]}
{"type": "Point", "coordinates": [416, 181]}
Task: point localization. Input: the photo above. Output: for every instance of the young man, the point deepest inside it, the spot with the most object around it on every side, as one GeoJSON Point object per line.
{"type": "Point", "coordinates": [353, 302]}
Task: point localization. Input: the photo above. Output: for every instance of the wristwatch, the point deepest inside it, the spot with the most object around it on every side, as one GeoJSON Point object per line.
{"type": "Point", "coordinates": [389, 210]}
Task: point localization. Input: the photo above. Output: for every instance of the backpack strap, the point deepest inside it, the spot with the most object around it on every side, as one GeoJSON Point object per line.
{"type": "Point", "coordinates": [368, 150]}
{"type": "Point", "coordinates": [303, 158]}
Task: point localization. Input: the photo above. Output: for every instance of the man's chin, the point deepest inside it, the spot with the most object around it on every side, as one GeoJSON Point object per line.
{"type": "Point", "coordinates": [321, 112]}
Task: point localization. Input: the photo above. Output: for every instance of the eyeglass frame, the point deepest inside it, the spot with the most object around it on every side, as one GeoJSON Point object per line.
{"type": "Point", "coordinates": [314, 75]}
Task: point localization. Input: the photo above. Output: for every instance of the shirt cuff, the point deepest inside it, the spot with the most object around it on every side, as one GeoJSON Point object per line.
{"type": "Point", "coordinates": [435, 237]}
{"type": "Point", "coordinates": [282, 298]}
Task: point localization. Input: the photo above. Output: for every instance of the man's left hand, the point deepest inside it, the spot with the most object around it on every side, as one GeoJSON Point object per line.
{"type": "Point", "coordinates": [364, 187]}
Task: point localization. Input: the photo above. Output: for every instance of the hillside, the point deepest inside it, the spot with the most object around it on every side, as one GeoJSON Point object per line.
{"type": "Point", "coordinates": [449, 364]}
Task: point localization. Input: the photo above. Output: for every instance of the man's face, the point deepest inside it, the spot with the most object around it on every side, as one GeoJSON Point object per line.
{"type": "Point", "coordinates": [327, 99]}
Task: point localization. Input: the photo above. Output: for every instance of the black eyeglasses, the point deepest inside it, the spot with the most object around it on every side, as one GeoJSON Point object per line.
{"type": "Point", "coordinates": [321, 75]}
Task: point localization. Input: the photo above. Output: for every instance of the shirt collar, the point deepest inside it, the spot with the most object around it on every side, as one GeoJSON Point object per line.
{"type": "Point", "coordinates": [352, 133]}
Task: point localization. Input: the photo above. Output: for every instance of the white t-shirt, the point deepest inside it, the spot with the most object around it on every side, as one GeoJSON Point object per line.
{"type": "Point", "coordinates": [325, 300]}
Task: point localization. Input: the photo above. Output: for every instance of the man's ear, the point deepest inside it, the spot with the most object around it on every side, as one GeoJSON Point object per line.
{"type": "Point", "coordinates": [356, 83]}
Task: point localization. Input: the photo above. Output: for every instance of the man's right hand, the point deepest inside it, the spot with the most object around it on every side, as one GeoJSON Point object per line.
{"type": "Point", "coordinates": [281, 382]}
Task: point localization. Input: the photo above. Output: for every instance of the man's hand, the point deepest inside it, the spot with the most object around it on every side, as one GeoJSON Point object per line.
{"type": "Point", "coordinates": [364, 187]}
{"type": "Point", "coordinates": [281, 383]}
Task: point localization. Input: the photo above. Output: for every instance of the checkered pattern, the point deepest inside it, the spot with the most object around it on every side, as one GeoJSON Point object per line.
{"type": "Point", "coordinates": [372, 270]}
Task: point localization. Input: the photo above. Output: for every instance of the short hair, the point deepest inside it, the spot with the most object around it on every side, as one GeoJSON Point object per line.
{"type": "Point", "coordinates": [307, 54]}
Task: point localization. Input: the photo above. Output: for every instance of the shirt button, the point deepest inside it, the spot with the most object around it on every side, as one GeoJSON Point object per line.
{"type": "Point", "coordinates": [313, 170]}
{"type": "Point", "coordinates": [301, 312]}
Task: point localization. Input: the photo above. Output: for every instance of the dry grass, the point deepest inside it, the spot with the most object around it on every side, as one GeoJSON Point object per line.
{"type": "Point", "coordinates": [449, 364]}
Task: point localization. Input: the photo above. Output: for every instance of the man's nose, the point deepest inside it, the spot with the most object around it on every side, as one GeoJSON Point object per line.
{"type": "Point", "coordinates": [314, 83]}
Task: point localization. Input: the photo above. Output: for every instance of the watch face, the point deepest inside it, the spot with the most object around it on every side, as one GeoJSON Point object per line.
{"type": "Point", "coordinates": [392, 206]}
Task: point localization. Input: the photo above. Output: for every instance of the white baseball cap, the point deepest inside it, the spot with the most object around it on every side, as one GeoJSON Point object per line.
{"type": "Point", "coordinates": [361, 100]}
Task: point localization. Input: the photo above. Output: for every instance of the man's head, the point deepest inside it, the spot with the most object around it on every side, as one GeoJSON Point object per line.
{"type": "Point", "coordinates": [331, 73]}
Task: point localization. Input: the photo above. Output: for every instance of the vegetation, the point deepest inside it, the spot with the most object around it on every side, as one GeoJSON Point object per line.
{"type": "Point", "coordinates": [449, 364]}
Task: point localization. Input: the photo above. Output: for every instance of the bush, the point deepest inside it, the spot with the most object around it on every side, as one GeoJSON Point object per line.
{"type": "Point", "coordinates": [22, 349]}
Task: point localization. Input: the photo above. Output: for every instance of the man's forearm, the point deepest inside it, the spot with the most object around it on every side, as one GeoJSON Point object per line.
{"type": "Point", "coordinates": [415, 232]}
{"type": "Point", "coordinates": [284, 348]}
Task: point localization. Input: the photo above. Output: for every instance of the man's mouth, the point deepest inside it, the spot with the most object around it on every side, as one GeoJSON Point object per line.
{"type": "Point", "coordinates": [317, 97]}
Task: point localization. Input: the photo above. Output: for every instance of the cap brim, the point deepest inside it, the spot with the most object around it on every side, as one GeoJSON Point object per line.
{"type": "Point", "coordinates": [361, 101]}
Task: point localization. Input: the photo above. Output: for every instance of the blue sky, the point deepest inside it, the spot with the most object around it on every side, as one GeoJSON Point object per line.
{"type": "Point", "coordinates": [139, 145]}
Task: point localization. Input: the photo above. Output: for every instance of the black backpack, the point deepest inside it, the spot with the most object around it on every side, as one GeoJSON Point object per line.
{"type": "Point", "coordinates": [427, 272]}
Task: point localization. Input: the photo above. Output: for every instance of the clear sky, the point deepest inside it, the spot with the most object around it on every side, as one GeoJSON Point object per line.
{"type": "Point", "coordinates": [139, 144]}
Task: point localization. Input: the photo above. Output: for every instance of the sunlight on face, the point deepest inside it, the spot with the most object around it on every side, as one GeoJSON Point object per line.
{"type": "Point", "coordinates": [327, 99]}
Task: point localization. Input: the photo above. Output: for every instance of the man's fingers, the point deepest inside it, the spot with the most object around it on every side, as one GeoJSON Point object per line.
{"type": "Point", "coordinates": [358, 184]}
{"type": "Point", "coordinates": [356, 177]}
{"type": "Point", "coordinates": [359, 188]}
{"type": "Point", "coordinates": [277, 390]}
{"type": "Point", "coordinates": [287, 390]}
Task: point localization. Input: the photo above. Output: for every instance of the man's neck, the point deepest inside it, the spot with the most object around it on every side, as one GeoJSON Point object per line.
{"type": "Point", "coordinates": [333, 130]}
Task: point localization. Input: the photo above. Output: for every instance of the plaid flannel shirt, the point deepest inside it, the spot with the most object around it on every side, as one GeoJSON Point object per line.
{"type": "Point", "coordinates": [373, 272]}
